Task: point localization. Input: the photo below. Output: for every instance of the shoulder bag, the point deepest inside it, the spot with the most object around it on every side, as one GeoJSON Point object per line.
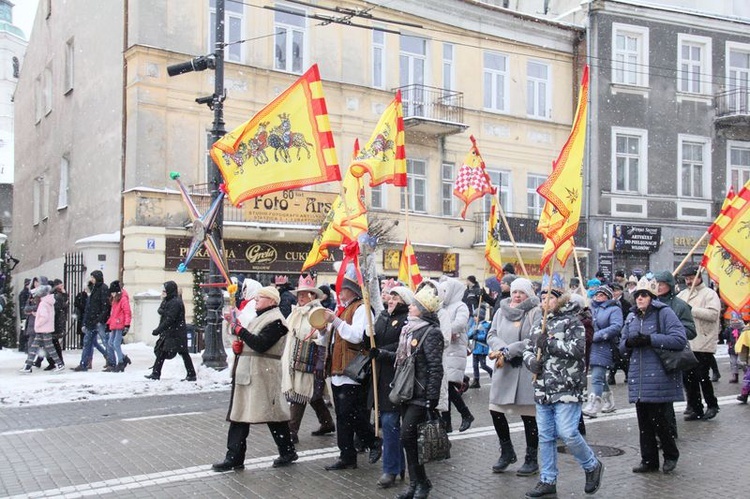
{"type": "Point", "coordinates": [675, 360]}
{"type": "Point", "coordinates": [402, 386]}
{"type": "Point", "coordinates": [359, 367]}
{"type": "Point", "coordinates": [432, 440]}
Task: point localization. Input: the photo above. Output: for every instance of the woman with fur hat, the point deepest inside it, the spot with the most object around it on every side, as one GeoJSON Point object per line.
{"type": "Point", "coordinates": [422, 326]}
{"type": "Point", "coordinates": [256, 378]}
{"type": "Point", "coordinates": [607, 321]}
{"type": "Point", "coordinates": [650, 325]}
{"type": "Point", "coordinates": [44, 326]}
{"type": "Point", "coordinates": [302, 377]}
{"type": "Point", "coordinates": [512, 391]}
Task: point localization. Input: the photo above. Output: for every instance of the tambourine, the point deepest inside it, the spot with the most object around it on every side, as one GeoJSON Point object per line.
{"type": "Point", "coordinates": [318, 318]}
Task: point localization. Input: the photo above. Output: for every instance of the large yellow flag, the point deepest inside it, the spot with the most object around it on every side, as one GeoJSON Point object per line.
{"type": "Point", "coordinates": [551, 218]}
{"type": "Point", "coordinates": [408, 270]}
{"type": "Point", "coordinates": [472, 181]}
{"type": "Point", "coordinates": [735, 236]}
{"type": "Point", "coordinates": [492, 245]}
{"type": "Point", "coordinates": [384, 155]}
{"type": "Point", "coordinates": [563, 189]}
{"type": "Point", "coordinates": [346, 220]}
{"type": "Point", "coordinates": [287, 145]}
{"type": "Point", "coordinates": [732, 276]}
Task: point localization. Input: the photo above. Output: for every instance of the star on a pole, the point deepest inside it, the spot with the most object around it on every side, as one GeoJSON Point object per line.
{"type": "Point", "coordinates": [203, 235]}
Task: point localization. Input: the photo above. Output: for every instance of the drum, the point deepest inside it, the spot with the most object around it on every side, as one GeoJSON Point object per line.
{"type": "Point", "coordinates": [317, 318]}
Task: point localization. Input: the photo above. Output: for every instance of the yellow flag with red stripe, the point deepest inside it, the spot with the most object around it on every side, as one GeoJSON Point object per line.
{"type": "Point", "coordinates": [735, 235]}
{"type": "Point", "coordinates": [408, 270]}
{"type": "Point", "coordinates": [492, 251]}
{"type": "Point", "coordinates": [288, 144]}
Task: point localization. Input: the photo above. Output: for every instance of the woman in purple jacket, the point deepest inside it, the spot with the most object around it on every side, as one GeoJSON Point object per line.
{"type": "Point", "coordinates": [649, 326]}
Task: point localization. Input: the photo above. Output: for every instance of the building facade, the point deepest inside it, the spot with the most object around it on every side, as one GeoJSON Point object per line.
{"type": "Point", "coordinates": [101, 149]}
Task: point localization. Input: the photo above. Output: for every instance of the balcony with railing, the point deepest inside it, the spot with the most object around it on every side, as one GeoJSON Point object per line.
{"type": "Point", "coordinates": [733, 107]}
{"type": "Point", "coordinates": [433, 111]}
{"type": "Point", "coordinates": [523, 227]}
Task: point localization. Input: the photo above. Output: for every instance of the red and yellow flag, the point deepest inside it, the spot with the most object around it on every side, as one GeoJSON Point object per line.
{"type": "Point", "coordinates": [563, 189]}
{"type": "Point", "coordinates": [729, 272]}
{"type": "Point", "coordinates": [551, 217]}
{"type": "Point", "coordinates": [472, 181]}
{"type": "Point", "coordinates": [492, 244]}
{"type": "Point", "coordinates": [287, 145]}
{"type": "Point", "coordinates": [384, 155]}
{"type": "Point", "coordinates": [408, 270]}
{"type": "Point", "coordinates": [735, 236]}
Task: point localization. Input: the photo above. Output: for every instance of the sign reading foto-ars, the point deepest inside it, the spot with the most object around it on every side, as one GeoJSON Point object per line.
{"type": "Point", "coordinates": [289, 207]}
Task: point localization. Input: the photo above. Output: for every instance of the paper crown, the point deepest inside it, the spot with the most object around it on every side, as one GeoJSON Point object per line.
{"type": "Point", "coordinates": [648, 285]}
{"type": "Point", "coordinates": [280, 279]}
{"type": "Point", "coordinates": [306, 281]}
{"type": "Point", "coordinates": [388, 284]}
{"type": "Point", "coordinates": [428, 300]}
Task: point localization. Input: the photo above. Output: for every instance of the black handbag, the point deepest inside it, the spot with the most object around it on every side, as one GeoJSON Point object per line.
{"type": "Point", "coordinates": [432, 440]}
{"type": "Point", "coordinates": [402, 386]}
{"type": "Point", "coordinates": [359, 368]}
{"type": "Point", "coordinates": [677, 360]}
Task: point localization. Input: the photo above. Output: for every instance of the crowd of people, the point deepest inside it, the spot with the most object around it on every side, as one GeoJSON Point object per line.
{"type": "Point", "coordinates": [295, 346]}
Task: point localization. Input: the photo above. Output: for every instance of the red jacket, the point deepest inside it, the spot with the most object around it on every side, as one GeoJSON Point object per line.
{"type": "Point", "coordinates": [120, 315]}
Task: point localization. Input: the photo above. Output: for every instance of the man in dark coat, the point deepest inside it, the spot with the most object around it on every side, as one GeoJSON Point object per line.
{"type": "Point", "coordinates": [23, 297]}
{"type": "Point", "coordinates": [94, 320]}
{"type": "Point", "coordinates": [287, 298]}
{"type": "Point", "coordinates": [172, 333]}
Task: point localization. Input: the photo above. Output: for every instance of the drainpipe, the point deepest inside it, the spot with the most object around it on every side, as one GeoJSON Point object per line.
{"type": "Point", "coordinates": [124, 138]}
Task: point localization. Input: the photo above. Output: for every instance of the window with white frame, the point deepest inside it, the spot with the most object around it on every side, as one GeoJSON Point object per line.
{"type": "Point", "coordinates": [377, 197]}
{"type": "Point", "coordinates": [446, 191]}
{"type": "Point", "coordinates": [739, 164]}
{"type": "Point", "coordinates": [69, 66]}
{"type": "Point", "coordinates": [234, 20]}
{"type": "Point", "coordinates": [629, 159]}
{"type": "Point", "coordinates": [416, 175]}
{"type": "Point", "coordinates": [693, 64]}
{"type": "Point", "coordinates": [448, 70]}
{"type": "Point", "coordinates": [534, 202]}
{"type": "Point", "coordinates": [45, 198]}
{"type": "Point", "coordinates": [495, 81]}
{"type": "Point", "coordinates": [501, 181]}
{"type": "Point", "coordinates": [537, 89]}
{"type": "Point", "coordinates": [38, 99]}
{"type": "Point", "coordinates": [630, 55]}
{"type": "Point", "coordinates": [47, 84]}
{"type": "Point", "coordinates": [36, 201]}
{"type": "Point", "coordinates": [695, 167]}
{"type": "Point", "coordinates": [62, 195]}
{"type": "Point", "coordinates": [737, 76]}
{"type": "Point", "coordinates": [289, 47]}
{"type": "Point", "coordinates": [378, 58]}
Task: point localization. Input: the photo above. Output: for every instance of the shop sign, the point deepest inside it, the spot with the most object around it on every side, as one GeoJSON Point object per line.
{"type": "Point", "coordinates": [606, 262]}
{"type": "Point", "coordinates": [635, 239]}
{"type": "Point", "coordinates": [290, 207]}
{"type": "Point", "coordinates": [446, 263]}
{"type": "Point", "coordinates": [251, 256]}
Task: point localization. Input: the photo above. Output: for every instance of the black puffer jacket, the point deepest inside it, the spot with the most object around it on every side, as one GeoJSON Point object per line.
{"type": "Point", "coordinates": [287, 299]}
{"type": "Point", "coordinates": [428, 372]}
{"type": "Point", "coordinates": [97, 306]}
{"type": "Point", "coordinates": [172, 321]}
{"type": "Point", "coordinates": [387, 332]}
{"type": "Point", "coordinates": [61, 313]}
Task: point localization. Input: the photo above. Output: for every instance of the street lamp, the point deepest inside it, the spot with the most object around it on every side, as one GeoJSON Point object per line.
{"type": "Point", "coordinates": [214, 354]}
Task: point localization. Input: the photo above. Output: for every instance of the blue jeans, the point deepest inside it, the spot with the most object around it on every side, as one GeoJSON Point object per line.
{"type": "Point", "coordinates": [393, 454]}
{"type": "Point", "coordinates": [599, 380]}
{"type": "Point", "coordinates": [561, 420]}
{"type": "Point", "coordinates": [89, 343]}
{"type": "Point", "coordinates": [114, 352]}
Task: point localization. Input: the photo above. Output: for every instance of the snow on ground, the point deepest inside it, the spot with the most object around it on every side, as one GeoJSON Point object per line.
{"type": "Point", "coordinates": [48, 387]}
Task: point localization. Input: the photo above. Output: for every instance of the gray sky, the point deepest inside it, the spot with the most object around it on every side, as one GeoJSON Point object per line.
{"type": "Point", "coordinates": [23, 15]}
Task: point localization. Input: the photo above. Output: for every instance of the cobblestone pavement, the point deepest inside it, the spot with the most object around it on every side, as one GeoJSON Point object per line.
{"type": "Point", "coordinates": [163, 447]}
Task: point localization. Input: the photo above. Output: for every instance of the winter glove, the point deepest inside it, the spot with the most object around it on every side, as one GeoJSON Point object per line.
{"type": "Point", "coordinates": [432, 404]}
{"type": "Point", "coordinates": [535, 366]}
{"type": "Point", "coordinates": [237, 347]}
{"type": "Point", "coordinates": [639, 340]}
{"type": "Point", "coordinates": [125, 330]}
{"type": "Point", "coordinates": [155, 332]}
{"type": "Point", "coordinates": [373, 353]}
{"type": "Point", "coordinates": [516, 349]}
{"type": "Point", "coordinates": [541, 342]}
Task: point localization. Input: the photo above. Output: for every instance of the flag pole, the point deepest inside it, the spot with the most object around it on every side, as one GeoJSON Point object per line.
{"type": "Point", "coordinates": [690, 253]}
{"type": "Point", "coordinates": [578, 268]}
{"type": "Point", "coordinates": [510, 235]}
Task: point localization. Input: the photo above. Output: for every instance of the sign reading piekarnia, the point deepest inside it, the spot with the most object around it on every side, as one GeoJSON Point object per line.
{"type": "Point", "coordinates": [250, 256]}
{"type": "Point", "coordinates": [291, 207]}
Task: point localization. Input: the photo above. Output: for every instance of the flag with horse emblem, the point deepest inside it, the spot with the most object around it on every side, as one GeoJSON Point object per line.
{"type": "Point", "coordinates": [472, 181]}
{"type": "Point", "coordinates": [287, 145]}
{"type": "Point", "coordinates": [384, 155]}
{"type": "Point", "coordinates": [492, 246]}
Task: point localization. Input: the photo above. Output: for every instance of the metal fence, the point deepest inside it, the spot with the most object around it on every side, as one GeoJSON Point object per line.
{"type": "Point", "coordinates": [74, 272]}
{"type": "Point", "coordinates": [432, 103]}
{"type": "Point", "coordinates": [732, 102]}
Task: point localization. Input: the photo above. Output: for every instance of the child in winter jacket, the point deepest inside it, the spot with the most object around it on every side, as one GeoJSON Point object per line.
{"type": "Point", "coordinates": [478, 330]}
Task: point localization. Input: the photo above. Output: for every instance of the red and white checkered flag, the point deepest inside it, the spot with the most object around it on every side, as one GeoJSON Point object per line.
{"type": "Point", "coordinates": [472, 181]}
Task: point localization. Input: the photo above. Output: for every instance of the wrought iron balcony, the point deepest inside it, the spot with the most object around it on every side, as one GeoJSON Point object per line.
{"type": "Point", "coordinates": [733, 106]}
{"type": "Point", "coordinates": [433, 111]}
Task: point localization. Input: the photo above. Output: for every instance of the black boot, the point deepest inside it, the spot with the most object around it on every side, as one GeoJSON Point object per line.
{"type": "Point", "coordinates": [611, 378]}
{"type": "Point", "coordinates": [507, 457]}
{"type": "Point", "coordinates": [408, 493]}
{"type": "Point", "coordinates": [125, 361]}
{"type": "Point", "coordinates": [466, 420]}
{"type": "Point", "coordinates": [530, 465]}
{"type": "Point", "coordinates": [475, 383]}
{"type": "Point", "coordinates": [446, 417]}
{"type": "Point", "coordinates": [422, 489]}
{"type": "Point", "coordinates": [232, 461]}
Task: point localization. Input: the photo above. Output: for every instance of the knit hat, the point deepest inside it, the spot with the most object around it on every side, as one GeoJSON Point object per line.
{"type": "Point", "coordinates": [605, 290]}
{"type": "Point", "coordinates": [689, 270]}
{"type": "Point", "coordinates": [508, 279]}
{"type": "Point", "coordinates": [115, 287]}
{"type": "Point", "coordinates": [593, 283]}
{"type": "Point", "coordinates": [56, 283]}
{"type": "Point", "coordinates": [523, 285]}
{"type": "Point", "coordinates": [405, 293]}
{"type": "Point", "coordinates": [269, 292]}
{"type": "Point", "coordinates": [427, 301]}
{"type": "Point", "coordinates": [43, 281]}
{"type": "Point", "coordinates": [646, 285]}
